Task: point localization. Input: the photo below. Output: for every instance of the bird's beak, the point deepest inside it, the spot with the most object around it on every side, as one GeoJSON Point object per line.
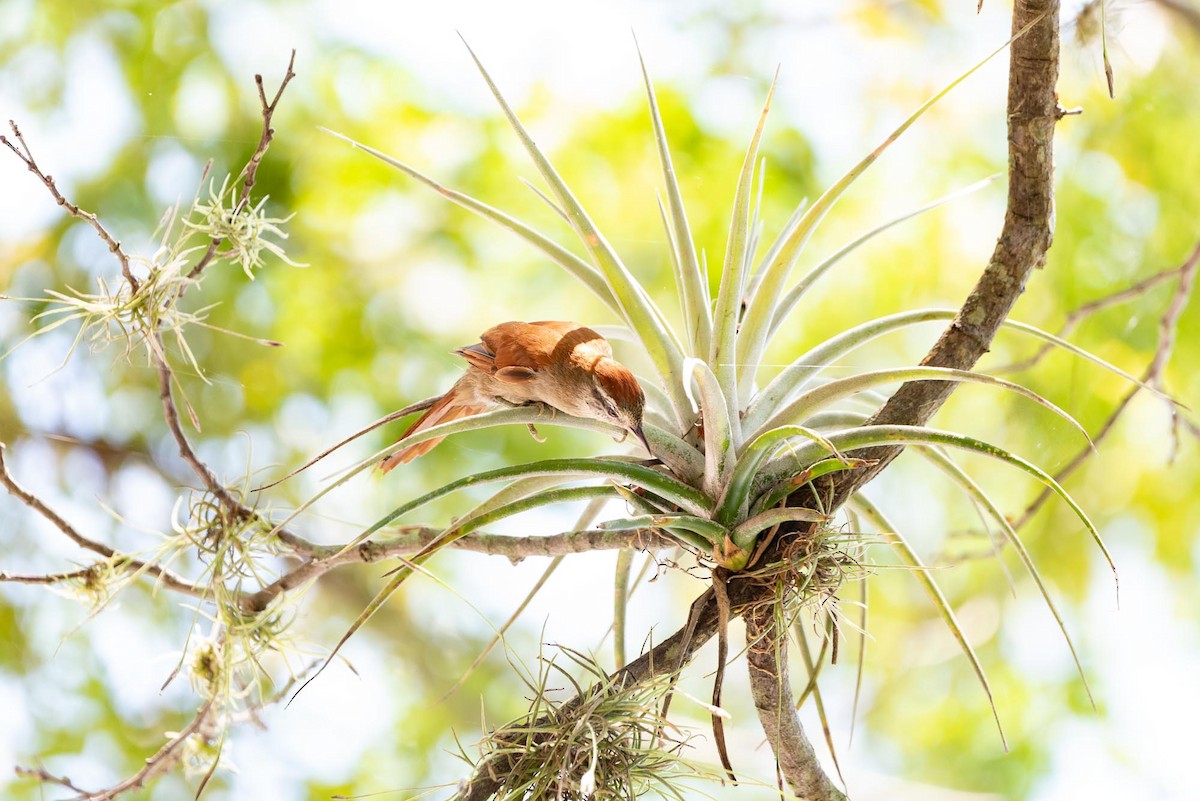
{"type": "Point", "coordinates": [641, 435]}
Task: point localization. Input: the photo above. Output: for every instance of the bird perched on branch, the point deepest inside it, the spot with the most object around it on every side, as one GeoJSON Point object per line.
{"type": "Point", "coordinates": [564, 365]}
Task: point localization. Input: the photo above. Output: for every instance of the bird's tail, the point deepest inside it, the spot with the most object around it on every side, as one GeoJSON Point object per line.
{"type": "Point", "coordinates": [450, 407]}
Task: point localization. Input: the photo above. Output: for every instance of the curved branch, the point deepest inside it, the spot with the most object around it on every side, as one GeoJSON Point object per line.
{"type": "Point", "coordinates": [766, 655]}
{"type": "Point", "coordinates": [1024, 238]}
{"type": "Point", "coordinates": [323, 558]}
{"type": "Point", "coordinates": [169, 755]}
{"type": "Point", "coordinates": [167, 578]}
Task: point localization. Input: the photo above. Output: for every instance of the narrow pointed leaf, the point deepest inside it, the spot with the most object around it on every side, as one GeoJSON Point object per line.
{"type": "Point", "coordinates": [637, 309]}
{"type": "Point", "coordinates": [796, 375]}
{"type": "Point", "coordinates": [710, 530]}
{"type": "Point", "coordinates": [575, 266]}
{"type": "Point", "coordinates": [900, 545]}
{"type": "Point", "coordinates": [664, 486]}
{"type": "Point", "coordinates": [789, 301]}
{"type": "Point", "coordinates": [621, 603]}
{"type": "Point", "coordinates": [981, 498]}
{"type": "Point", "coordinates": [762, 306]}
{"type": "Point", "coordinates": [746, 534]}
{"type": "Point", "coordinates": [768, 500]}
{"type": "Point", "coordinates": [723, 352]}
{"type": "Point", "coordinates": [446, 538]}
{"type": "Point", "coordinates": [813, 671]}
{"type": "Point", "coordinates": [871, 436]}
{"type": "Point", "coordinates": [586, 518]}
{"type": "Point", "coordinates": [689, 278]}
{"type": "Point", "coordinates": [773, 251]}
{"type": "Point", "coordinates": [813, 400]}
{"type": "Point", "coordinates": [719, 437]}
{"type": "Point", "coordinates": [737, 493]}
{"type": "Point", "coordinates": [678, 455]}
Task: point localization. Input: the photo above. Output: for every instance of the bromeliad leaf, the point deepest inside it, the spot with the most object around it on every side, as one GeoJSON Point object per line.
{"type": "Point", "coordinates": [663, 486]}
{"type": "Point", "coordinates": [690, 278]}
{"type": "Point", "coordinates": [719, 438]}
{"type": "Point", "coordinates": [762, 306]}
{"type": "Point", "coordinates": [446, 538]}
{"type": "Point", "coordinates": [723, 353]}
{"type": "Point", "coordinates": [637, 309]}
{"type": "Point", "coordinates": [789, 301]}
{"type": "Point", "coordinates": [713, 533]}
{"type": "Point", "coordinates": [815, 399]}
{"type": "Point", "coordinates": [737, 492]}
{"type": "Point", "coordinates": [900, 545]}
{"type": "Point", "coordinates": [796, 375]}
{"type": "Point", "coordinates": [564, 258]}
{"type": "Point", "coordinates": [871, 436]}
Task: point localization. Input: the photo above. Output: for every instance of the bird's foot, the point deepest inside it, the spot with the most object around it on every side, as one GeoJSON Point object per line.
{"type": "Point", "coordinates": [533, 432]}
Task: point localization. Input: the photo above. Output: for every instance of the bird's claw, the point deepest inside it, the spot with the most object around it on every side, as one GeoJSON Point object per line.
{"type": "Point", "coordinates": [533, 432]}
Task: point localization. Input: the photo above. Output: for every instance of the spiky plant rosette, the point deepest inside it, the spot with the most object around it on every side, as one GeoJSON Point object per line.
{"type": "Point", "coordinates": [609, 742]}
{"type": "Point", "coordinates": [731, 452]}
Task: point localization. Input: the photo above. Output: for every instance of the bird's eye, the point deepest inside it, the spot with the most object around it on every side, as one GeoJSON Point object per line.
{"type": "Point", "coordinates": [604, 405]}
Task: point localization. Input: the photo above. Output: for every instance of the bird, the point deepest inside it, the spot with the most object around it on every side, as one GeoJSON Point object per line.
{"type": "Point", "coordinates": [563, 365]}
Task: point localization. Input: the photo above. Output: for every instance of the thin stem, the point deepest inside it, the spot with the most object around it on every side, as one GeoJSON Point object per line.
{"type": "Point", "coordinates": [26, 156]}
{"type": "Point", "coordinates": [167, 578]}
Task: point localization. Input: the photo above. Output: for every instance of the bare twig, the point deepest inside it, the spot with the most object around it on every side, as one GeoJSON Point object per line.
{"type": "Point", "coordinates": [50, 578]}
{"type": "Point", "coordinates": [46, 777]}
{"type": "Point", "coordinates": [1088, 309]}
{"type": "Point", "coordinates": [207, 721]}
{"type": "Point", "coordinates": [268, 133]}
{"type": "Point", "coordinates": [167, 578]}
{"type": "Point", "coordinates": [163, 760]}
{"type": "Point", "coordinates": [323, 558]}
{"type": "Point", "coordinates": [166, 376]}
{"type": "Point", "coordinates": [26, 156]}
{"type": "Point", "coordinates": [1168, 326]}
{"type": "Point", "coordinates": [250, 171]}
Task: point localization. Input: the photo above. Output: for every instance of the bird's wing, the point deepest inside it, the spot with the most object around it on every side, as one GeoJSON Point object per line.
{"type": "Point", "coordinates": [533, 345]}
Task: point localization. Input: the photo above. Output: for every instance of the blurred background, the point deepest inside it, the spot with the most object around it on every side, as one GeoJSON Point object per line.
{"type": "Point", "coordinates": [125, 102]}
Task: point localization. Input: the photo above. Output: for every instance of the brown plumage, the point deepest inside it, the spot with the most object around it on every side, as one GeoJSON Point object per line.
{"type": "Point", "coordinates": [561, 364]}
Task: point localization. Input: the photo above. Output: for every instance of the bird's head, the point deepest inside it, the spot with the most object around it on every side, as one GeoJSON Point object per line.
{"type": "Point", "coordinates": [618, 398]}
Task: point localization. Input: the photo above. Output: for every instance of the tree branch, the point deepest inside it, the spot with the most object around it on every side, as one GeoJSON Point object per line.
{"type": "Point", "coordinates": [1085, 311]}
{"type": "Point", "coordinates": [250, 171]}
{"type": "Point", "coordinates": [323, 558]}
{"type": "Point", "coordinates": [1021, 248]}
{"type": "Point", "coordinates": [170, 580]}
{"type": "Point", "coordinates": [767, 658]}
{"type": "Point", "coordinates": [163, 760]}
{"type": "Point", "coordinates": [1168, 327]}
{"type": "Point", "coordinates": [25, 155]}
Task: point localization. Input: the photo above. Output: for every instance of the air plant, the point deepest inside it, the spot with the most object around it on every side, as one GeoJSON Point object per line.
{"type": "Point", "coordinates": [731, 451]}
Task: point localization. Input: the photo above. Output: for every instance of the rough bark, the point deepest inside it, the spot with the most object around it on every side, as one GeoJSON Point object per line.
{"type": "Point", "coordinates": [767, 657]}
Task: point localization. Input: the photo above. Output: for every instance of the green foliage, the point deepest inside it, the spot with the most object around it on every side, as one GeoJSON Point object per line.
{"type": "Point", "coordinates": [355, 347]}
{"type": "Point", "coordinates": [609, 742]}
